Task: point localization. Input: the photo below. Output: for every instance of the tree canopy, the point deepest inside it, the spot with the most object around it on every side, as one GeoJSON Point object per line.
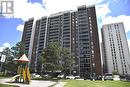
{"type": "Point", "coordinates": [51, 57]}
{"type": "Point", "coordinates": [56, 58]}
{"type": "Point", "coordinates": [12, 53]}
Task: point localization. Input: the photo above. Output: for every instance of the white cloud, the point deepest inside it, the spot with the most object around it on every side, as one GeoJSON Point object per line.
{"type": "Point", "coordinates": [122, 18]}
{"type": "Point", "coordinates": [20, 27]}
{"type": "Point", "coordinates": [25, 10]}
{"type": "Point", "coordinates": [54, 6]}
{"type": "Point", "coordinates": [102, 11]}
{"type": "Point", "coordinates": [4, 46]}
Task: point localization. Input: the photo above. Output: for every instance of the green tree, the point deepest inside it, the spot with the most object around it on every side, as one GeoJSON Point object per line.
{"type": "Point", "coordinates": [8, 65]}
{"type": "Point", "coordinates": [18, 50]}
{"type": "Point", "coordinates": [67, 61]}
{"type": "Point", "coordinates": [8, 53]}
{"type": "Point", "coordinates": [51, 56]}
{"type": "Point", "coordinates": [14, 53]}
{"type": "Point", "coordinates": [56, 58]}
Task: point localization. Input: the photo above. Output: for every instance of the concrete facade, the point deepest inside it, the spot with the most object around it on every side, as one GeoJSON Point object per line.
{"type": "Point", "coordinates": [115, 49]}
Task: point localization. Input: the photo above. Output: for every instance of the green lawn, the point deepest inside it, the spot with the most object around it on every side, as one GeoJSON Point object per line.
{"type": "Point", "coordinates": [3, 85]}
{"type": "Point", "coordinates": [85, 83]}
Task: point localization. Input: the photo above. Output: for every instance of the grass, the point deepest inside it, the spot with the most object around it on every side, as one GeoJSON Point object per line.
{"type": "Point", "coordinates": [85, 83]}
{"type": "Point", "coordinates": [3, 85]}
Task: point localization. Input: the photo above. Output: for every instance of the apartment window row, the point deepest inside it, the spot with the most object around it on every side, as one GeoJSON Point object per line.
{"type": "Point", "coordinates": [84, 65]}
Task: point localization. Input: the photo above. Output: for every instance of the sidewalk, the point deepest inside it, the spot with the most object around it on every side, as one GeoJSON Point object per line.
{"type": "Point", "coordinates": [34, 83]}
{"type": "Point", "coordinates": [60, 84]}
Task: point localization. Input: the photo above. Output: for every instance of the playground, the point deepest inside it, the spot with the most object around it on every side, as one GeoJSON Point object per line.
{"type": "Point", "coordinates": [23, 78]}
{"type": "Point", "coordinates": [23, 73]}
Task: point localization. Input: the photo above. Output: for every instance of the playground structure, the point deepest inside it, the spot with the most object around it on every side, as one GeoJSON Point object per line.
{"type": "Point", "coordinates": [23, 73]}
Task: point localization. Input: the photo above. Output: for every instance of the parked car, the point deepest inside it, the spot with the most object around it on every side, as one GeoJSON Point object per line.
{"type": "Point", "coordinates": [128, 77]}
{"type": "Point", "coordinates": [46, 76]}
{"type": "Point", "coordinates": [116, 77]}
{"type": "Point", "coordinates": [60, 76]}
{"type": "Point", "coordinates": [35, 75]}
{"type": "Point", "coordinates": [70, 77]}
{"type": "Point", "coordinates": [77, 77]}
{"type": "Point", "coordinates": [123, 77]}
{"type": "Point", "coordinates": [96, 77]}
{"type": "Point", "coordinates": [108, 77]}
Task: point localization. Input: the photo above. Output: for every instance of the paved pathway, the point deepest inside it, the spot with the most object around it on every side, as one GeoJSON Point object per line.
{"type": "Point", "coordinates": [60, 84]}
{"type": "Point", "coordinates": [34, 83]}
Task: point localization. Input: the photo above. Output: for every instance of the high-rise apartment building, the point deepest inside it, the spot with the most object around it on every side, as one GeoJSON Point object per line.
{"type": "Point", "coordinates": [54, 27]}
{"type": "Point", "coordinates": [75, 30]}
{"type": "Point", "coordinates": [116, 55]}
{"type": "Point", "coordinates": [88, 40]}
{"type": "Point", "coordinates": [26, 37]}
{"type": "Point", "coordinates": [38, 43]}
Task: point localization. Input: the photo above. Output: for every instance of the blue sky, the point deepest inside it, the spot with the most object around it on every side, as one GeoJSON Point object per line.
{"type": "Point", "coordinates": [8, 32]}
{"type": "Point", "coordinates": [108, 11]}
{"type": "Point", "coordinates": [119, 7]}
